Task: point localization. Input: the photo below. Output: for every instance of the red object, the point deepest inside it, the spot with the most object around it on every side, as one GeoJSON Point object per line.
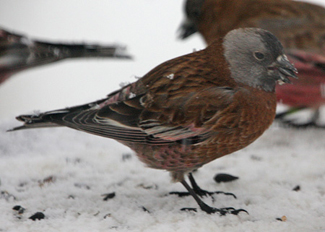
{"type": "Point", "coordinates": [309, 89]}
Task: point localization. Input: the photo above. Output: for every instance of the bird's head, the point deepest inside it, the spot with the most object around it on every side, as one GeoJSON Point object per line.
{"type": "Point", "coordinates": [256, 58]}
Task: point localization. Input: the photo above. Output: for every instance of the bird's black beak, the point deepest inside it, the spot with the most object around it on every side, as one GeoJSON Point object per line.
{"type": "Point", "coordinates": [284, 68]}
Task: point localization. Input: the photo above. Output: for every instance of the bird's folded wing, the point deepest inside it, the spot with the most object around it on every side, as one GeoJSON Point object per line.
{"type": "Point", "coordinates": [177, 122]}
{"type": "Point", "coordinates": [189, 122]}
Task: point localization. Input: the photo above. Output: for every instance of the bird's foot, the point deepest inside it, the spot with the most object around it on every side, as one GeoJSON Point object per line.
{"type": "Point", "coordinates": [293, 124]}
{"type": "Point", "coordinates": [224, 211]}
{"type": "Point", "coordinates": [195, 191]}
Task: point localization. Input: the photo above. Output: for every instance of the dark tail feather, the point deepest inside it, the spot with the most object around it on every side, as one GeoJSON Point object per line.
{"type": "Point", "coordinates": [52, 118]}
{"type": "Point", "coordinates": [18, 52]}
{"type": "Point", "coordinates": [42, 49]}
{"type": "Point", "coordinates": [34, 121]}
{"type": "Point", "coordinates": [87, 50]}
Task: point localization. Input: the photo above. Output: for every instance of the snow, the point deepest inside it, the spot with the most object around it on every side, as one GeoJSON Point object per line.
{"type": "Point", "coordinates": [83, 167]}
{"type": "Point", "coordinates": [64, 173]}
{"type": "Point", "coordinates": [170, 76]}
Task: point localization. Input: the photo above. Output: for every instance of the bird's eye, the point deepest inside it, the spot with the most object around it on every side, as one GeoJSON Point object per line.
{"type": "Point", "coordinates": [259, 55]}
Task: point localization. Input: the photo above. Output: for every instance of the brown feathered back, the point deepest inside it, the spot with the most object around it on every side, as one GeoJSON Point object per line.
{"type": "Point", "coordinates": [295, 24]}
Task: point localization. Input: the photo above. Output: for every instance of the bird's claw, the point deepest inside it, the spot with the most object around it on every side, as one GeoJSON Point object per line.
{"type": "Point", "coordinates": [189, 209]}
{"type": "Point", "coordinates": [221, 211]}
{"type": "Point", "coordinates": [230, 210]}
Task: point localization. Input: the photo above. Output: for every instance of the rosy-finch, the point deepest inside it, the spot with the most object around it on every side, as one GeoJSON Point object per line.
{"type": "Point", "coordinates": [190, 110]}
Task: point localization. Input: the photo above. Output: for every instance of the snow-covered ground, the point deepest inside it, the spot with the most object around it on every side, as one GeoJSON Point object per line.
{"type": "Point", "coordinates": [64, 173]}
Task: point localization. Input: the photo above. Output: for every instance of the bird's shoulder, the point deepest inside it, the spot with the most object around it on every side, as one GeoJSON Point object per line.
{"type": "Point", "coordinates": [177, 79]}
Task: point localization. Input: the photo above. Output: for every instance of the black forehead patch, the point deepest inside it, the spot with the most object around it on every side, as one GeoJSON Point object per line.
{"type": "Point", "coordinates": [271, 42]}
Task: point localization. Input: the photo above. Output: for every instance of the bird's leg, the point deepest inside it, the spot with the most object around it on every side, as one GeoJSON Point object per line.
{"type": "Point", "coordinates": [291, 123]}
{"type": "Point", "coordinates": [199, 191]}
{"type": "Point", "coordinates": [202, 192]}
{"type": "Point", "coordinates": [206, 208]}
{"type": "Point", "coordinates": [291, 110]}
{"type": "Point", "coordinates": [314, 119]}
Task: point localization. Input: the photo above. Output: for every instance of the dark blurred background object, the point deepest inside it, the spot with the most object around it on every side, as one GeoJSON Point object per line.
{"type": "Point", "coordinates": [18, 52]}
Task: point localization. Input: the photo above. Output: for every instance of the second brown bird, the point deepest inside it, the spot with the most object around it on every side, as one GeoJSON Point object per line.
{"type": "Point", "coordinates": [300, 27]}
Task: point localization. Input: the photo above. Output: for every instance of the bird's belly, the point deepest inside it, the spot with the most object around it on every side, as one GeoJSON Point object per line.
{"type": "Point", "coordinates": [172, 157]}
